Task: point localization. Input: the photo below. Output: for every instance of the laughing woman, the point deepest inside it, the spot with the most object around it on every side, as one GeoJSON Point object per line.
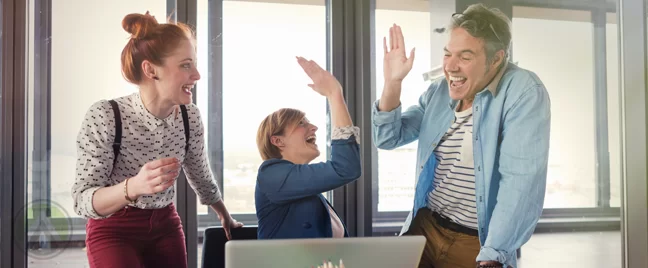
{"type": "Point", "coordinates": [288, 196]}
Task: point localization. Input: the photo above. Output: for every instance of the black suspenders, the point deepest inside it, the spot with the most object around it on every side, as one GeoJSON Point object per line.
{"type": "Point", "coordinates": [118, 128]}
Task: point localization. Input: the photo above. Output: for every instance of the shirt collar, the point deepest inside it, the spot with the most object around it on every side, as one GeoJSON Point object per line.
{"type": "Point", "coordinates": [148, 119]}
{"type": "Point", "coordinates": [492, 87]}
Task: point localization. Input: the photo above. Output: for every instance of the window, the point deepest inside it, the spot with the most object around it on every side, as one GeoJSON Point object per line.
{"type": "Point", "coordinates": [259, 42]}
{"type": "Point", "coordinates": [81, 68]}
{"type": "Point", "coordinates": [260, 75]}
{"type": "Point", "coordinates": [580, 173]}
{"type": "Point", "coordinates": [614, 108]}
{"type": "Point", "coordinates": [396, 168]}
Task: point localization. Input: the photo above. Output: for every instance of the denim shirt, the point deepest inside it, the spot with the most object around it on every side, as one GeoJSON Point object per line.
{"type": "Point", "coordinates": [511, 121]}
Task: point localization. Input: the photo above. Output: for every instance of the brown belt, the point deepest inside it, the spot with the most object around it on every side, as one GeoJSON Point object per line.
{"type": "Point", "coordinates": [448, 224]}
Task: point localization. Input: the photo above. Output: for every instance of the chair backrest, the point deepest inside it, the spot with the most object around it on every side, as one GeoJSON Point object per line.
{"type": "Point", "coordinates": [213, 250]}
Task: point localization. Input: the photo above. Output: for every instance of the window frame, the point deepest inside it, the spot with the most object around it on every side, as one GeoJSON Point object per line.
{"type": "Point", "coordinates": [350, 30]}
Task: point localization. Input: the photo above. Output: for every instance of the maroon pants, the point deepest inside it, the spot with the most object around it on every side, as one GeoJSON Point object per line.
{"type": "Point", "coordinates": [134, 237]}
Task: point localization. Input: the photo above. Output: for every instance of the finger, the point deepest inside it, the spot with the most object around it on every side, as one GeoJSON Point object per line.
{"type": "Point", "coordinates": [385, 44]}
{"type": "Point", "coordinates": [312, 66]}
{"type": "Point", "coordinates": [306, 66]}
{"type": "Point", "coordinates": [341, 264]}
{"type": "Point", "coordinates": [302, 62]}
{"type": "Point", "coordinates": [174, 167]}
{"type": "Point", "coordinates": [317, 67]}
{"type": "Point", "coordinates": [163, 186]}
{"type": "Point", "coordinates": [392, 44]}
{"type": "Point", "coordinates": [410, 61]}
{"type": "Point", "coordinates": [399, 37]}
{"type": "Point", "coordinates": [227, 233]}
{"type": "Point", "coordinates": [164, 177]}
{"type": "Point", "coordinates": [162, 162]}
{"type": "Point", "coordinates": [239, 224]}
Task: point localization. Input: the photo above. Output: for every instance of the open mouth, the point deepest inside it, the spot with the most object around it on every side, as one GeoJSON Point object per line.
{"type": "Point", "coordinates": [187, 88]}
{"type": "Point", "coordinates": [311, 140]}
{"type": "Point", "coordinates": [457, 81]}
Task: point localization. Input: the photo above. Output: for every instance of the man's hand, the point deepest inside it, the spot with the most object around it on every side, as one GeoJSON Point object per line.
{"type": "Point", "coordinates": [395, 64]}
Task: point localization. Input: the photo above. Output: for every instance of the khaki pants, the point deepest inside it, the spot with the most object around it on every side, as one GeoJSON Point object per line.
{"type": "Point", "coordinates": [444, 248]}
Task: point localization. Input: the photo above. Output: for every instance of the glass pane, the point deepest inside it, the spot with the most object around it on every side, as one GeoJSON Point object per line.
{"type": "Point", "coordinates": [260, 75]}
{"type": "Point", "coordinates": [396, 170]}
{"type": "Point", "coordinates": [81, 67]}
{"type": "Point", "coordinates": [571, 178]}
{"type": "Point", "coordinates": [614, 107]}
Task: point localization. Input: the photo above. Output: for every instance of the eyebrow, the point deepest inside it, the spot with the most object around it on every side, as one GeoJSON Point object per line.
{"type": "Point", "coordinates": [187, 59]}
{"type": "Point", "coordinates": [463, 51]}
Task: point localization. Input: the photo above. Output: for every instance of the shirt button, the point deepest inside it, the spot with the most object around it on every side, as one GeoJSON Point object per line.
{"type": "Point", "coordinates": [477, 108]}
{"type": "Point", "coordinates": [433, 144]}
{"type": "Point", "coordinates": [421, 167]}
{"type": "Point", "coordinates": [478, 168]}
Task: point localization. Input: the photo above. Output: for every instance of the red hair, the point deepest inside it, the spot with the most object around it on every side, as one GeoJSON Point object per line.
{"type": "Point", "coordinates": [151, 41]}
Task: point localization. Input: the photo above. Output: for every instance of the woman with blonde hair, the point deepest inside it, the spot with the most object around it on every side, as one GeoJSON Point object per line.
{"type": "Point", "coordinates": [288, 195]}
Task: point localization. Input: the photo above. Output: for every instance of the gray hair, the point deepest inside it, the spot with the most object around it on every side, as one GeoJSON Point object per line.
{"type": "Point", "coordinates": [489, 24]}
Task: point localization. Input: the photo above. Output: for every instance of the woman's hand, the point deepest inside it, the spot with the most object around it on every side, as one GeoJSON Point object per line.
{"type": "Point", "coordinates": [226, 219]}
{"type": "Point", "coordinates": [324, 82]}
{"type": "Point", "coordinates": [154, 177]}
{"type": "Point", "coordinates": [228, 222]}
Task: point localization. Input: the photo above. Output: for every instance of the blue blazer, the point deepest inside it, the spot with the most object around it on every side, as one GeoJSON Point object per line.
{"type": "Point", "coordinates": [288, 198]}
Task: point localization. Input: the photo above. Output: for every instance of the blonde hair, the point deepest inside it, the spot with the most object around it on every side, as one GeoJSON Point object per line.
{"type": "Point", "coordinates": [276, 124]}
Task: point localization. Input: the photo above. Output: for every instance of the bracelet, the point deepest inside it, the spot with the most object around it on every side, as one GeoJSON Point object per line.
{"type": "Point", "coordinates": [126, 192]}
{"type": "Point", "coordinates": [489, 265]}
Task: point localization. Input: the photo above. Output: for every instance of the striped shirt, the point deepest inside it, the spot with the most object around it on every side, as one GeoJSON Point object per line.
{"type": "Point", "coordinates": [454, 178]}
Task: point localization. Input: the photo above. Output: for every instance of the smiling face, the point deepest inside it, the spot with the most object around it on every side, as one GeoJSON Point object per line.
{"type": "Point", "coordinates": [298, 142]}
{"type": "Point", "coordinates": [465, 65]}
{"type": "Point", "coordinates": [177, 75]}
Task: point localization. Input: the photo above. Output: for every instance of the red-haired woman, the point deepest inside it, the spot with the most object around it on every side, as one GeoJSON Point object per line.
{"type": "Point", "coordinates": [131, 149]}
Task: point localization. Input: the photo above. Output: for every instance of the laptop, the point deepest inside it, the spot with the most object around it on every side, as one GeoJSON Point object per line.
{"type": "Point", "coordinates": [357, 252]}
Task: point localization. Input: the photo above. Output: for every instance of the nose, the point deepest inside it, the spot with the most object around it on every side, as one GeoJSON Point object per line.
{"type": "Point", "coordinates": [450, 65]}
{"type": "Point", "coordinates": [196, 75]}
{"type": "Point", "coordinates": [313, 128]}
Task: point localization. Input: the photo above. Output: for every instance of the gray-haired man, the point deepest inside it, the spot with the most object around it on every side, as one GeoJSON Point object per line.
{"type": "Point", "coordinates": [483, 147]}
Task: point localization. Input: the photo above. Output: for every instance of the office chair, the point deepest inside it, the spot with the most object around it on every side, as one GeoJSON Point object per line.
{"type": "Point", "coordinates": [213, 250]}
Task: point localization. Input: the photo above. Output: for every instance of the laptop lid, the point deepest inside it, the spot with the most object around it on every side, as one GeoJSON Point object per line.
{"type": "Point", "coordinates": [375, 252]}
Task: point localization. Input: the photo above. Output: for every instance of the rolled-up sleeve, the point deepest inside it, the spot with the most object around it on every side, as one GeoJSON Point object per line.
{"type": "Point", "coordinates": [94, 158]}
{"type": "Point", "coordinates": [196, 164]}
{"type": "Point", "coordinates": [395, 128]}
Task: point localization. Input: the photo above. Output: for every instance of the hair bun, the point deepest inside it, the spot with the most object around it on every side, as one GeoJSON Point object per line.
{"type": "Point", "coordinates": [139, 25]}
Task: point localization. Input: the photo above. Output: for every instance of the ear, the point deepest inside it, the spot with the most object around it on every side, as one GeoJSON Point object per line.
{"type": "Point", "coordinates": [277, 141]}
{"type": "Point", "coordinates": [149, 70]}
{"type": "Point", "coordinates": [498, 58]}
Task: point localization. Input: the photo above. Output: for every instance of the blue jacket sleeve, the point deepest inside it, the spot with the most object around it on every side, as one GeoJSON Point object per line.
{"type": "Point", "coordinates": [282, 181]}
